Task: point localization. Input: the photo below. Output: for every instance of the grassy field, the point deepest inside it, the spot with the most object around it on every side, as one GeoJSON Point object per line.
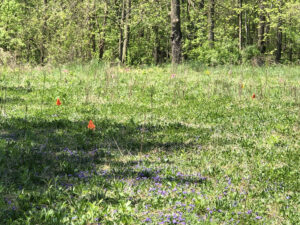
{"type": "Point", "coordinates": [190, 146]}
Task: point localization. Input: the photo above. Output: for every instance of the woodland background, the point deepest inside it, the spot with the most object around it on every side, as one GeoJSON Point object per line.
{"type": "Point", "coordinates": [138, 32]}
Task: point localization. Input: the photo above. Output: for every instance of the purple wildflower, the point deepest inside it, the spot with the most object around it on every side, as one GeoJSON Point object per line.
{"type": "Point", "coordinates": [229, 181]}
{"type": "Point", "coordinates": [179, 174]}
{"type": "Point", "coordinates": [156, 178]}
{"type": "Point", "coordinates": [148, 220]}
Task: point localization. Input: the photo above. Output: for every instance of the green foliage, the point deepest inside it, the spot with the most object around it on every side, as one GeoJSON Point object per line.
{"type": "Point", "coordinates": [222, 53]}
{"type": "Point", "coordinates": [58, 32]}
{"type": "Point", "coordinates": [250, 52]}
{"type": "Point", "coordinates": [11, 25]}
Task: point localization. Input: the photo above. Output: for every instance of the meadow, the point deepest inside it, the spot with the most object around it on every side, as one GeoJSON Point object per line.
{"type": "Point", "coordinates": [191, 145]}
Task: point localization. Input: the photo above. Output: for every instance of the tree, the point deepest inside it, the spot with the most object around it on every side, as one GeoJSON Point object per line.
{"type": "Point", "coordinates": [102, 31]}
{"type": "Point", "coordinates": [261, 27]}
{"type": "Point", "coordinates": [121, 35]}
{"type": "Point", "coordinates": [126, 30]}
{"type": "Point", "coordinates": [240, 24]}
{"type": "Point", "coordinates": [211, 14]}
{"type": "Point", "coordinates": [140, 32]}
{"type": "Point", "coordinates": [279, 34]}
{"type": "Point", "coordinates": [175, 31]}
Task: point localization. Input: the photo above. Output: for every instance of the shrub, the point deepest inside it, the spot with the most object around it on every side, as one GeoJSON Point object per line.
{"type": "Point", "coordinates": [249, 53]}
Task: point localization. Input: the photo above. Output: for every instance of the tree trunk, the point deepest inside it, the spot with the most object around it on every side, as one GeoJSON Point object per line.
{"type": "Point", "coordinates": [126, 31]}
{"type": "Point", "coordinates": [279, 43]}
{"type": "Point", "coordinates": [279, 35]}
{"type": "Point", "coordinates": [156, 45]}
{"type": "Point", "coordinates": [267, 31]}
{"type": "Point", "coordinates": [190, 31]}
{"type": "Point", "coordinates": [211, 15]}
{"type": "Point", "coordinates": [44, 35]}
{"type": "Point", "coordinates": [176, 35]}
{"type": "Point", "coordinates": [246, 29]}
{"type": "Point", "coordinates": [121, 40]}
{"type": "Point", "coordinates": [201, 4]}
{"type": "Point", "coordinates": [261, 28]}
{"type": "Point", "coordinates": [93, 28]}
{"type": "Point", "coordinates": [290, 54]}
{"type": "Point", "coordinates": [240, 24]}
{"type": "Point", "coordinates": [102, 34]}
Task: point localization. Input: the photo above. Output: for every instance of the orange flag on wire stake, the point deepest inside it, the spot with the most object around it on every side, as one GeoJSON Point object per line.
{"type": "Point", "coordinates": [91, 125]}
{"type": "Point", "coordinates": [58, 102]}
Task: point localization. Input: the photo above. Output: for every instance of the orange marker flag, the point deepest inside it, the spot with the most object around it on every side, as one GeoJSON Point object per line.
{"type": "Point", "coordinates": [253, 96]}
{"type": "Point", "coordinates": [91, 125]}
{"type": "Point", "coordinates": [58, 102]}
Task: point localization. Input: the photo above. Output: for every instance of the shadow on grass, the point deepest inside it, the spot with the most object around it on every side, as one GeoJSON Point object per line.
{"type": "Point", "coordinates": [16, 89]}
{"type": "Point", "coordinates": [35, 154]}
{"type": "Point", "coordinates": [10, 100]}
{"type": "Point", "coordinates": [61, 147]}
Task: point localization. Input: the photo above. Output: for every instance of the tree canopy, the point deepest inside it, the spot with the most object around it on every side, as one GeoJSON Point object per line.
{"type": "Point", "coordinates": [141, 31]}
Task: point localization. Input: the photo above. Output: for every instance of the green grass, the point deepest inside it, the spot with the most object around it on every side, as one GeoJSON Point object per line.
{"type": "Point", "coordinates": [192, 148]}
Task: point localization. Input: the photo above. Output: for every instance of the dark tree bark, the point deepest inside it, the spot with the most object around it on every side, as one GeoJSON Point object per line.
{"type": "Point", "coordinates": [201, 4]}
{"type": "Point", "coordinates": [246, 29]}
{"type": "Point", "coordinates": [156, 45]}
{"type": "Point", "coordinates": [190, 28]}
{"type": "Point", "coordinates": [102, 34]}
{"type": "Point", "coordinates": [261, 28]}
{"type": "Point", "coordinates": [240, 24]}
{"type": "Point", "coordinates": [267, 31]}
{"type": "Point", "coordinates": [176, 35]}
{"type": "Point", "coordinates": [279, 43]}
{"type": "Point", "coordinates": [279, 35]}
{"type": "Point", "coordinates": [211, 20]}
{"type": "Point", "coordinates": [156, 50]}
{"type": "Point", "coordinates": [290, 54]}
{"type": "Point", "coordinates": [188, 12]}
